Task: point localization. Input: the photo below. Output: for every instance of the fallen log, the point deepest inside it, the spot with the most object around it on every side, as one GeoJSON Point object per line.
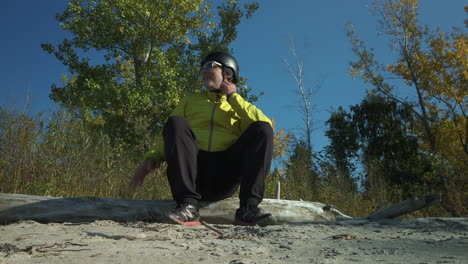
{"type": "Point", "coordinates": [17, 207]}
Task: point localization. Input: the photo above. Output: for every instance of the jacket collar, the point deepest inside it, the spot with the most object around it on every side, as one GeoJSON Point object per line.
{"type": "Point", "coordinates": [215, 96]}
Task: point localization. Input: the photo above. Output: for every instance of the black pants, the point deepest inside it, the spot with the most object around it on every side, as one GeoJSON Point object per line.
{"type": "Point", "coordinates": [196, 175]}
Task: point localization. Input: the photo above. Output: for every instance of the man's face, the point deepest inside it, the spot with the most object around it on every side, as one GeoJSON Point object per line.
{"type": "Point", "coordinates": [211, 75]}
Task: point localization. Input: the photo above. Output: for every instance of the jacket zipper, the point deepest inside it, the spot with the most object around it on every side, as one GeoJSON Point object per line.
{"type": "Point", "coordinates": [212, 125]}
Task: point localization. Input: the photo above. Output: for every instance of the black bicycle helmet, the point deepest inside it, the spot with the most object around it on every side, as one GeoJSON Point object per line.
{"type": "Point", "coordinates": [226, 59]}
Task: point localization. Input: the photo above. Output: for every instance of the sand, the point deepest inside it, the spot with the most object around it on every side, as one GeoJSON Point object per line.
{"type": "Point", "coordinates": [423, 240]}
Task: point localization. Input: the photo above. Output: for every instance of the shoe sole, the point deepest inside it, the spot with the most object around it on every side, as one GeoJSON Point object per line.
{"type": "Point", "coordinates": [192, 223]}
{"type": "Point", "coordinates": [266, 221]}
{"type": "Point", "coordinates": [241, 223]}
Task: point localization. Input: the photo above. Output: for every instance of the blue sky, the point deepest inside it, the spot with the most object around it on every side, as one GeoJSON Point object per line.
{"type": "Point", "coordinates": [317, 27]}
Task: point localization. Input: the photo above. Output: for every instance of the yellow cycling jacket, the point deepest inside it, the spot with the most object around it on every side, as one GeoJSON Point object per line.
{"type": "Point", "coordinates": [216, 121]}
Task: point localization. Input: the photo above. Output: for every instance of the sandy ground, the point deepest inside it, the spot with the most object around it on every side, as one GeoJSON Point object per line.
{"type": "Point", "coordinates": [425, 240]}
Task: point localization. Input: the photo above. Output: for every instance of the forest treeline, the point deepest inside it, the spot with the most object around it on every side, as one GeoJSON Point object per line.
{"type": "Point", "coordinates": [386, 148]}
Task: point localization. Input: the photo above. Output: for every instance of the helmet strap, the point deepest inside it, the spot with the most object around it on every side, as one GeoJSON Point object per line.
{"type": "Point", "coordinates": [227, 73]}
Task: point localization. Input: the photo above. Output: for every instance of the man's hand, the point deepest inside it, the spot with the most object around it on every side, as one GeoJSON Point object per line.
{"type": "Point", "coordinates": [228, 87]}
{"type": "Point", "coordinates": [140, 173]}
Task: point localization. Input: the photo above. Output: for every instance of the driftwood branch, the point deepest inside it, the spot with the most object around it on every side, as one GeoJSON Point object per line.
{"type": "Point", "coordinates": [407, 206]}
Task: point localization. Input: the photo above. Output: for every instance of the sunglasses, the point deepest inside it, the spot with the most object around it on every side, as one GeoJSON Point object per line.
{"type": "Point", "coordinates": [210, 65]}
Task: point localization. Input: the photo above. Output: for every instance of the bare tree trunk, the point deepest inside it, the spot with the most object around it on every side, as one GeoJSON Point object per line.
{"type": "Point", "coordinates": [466, 136]}
{"type": "Point", "coordinates": [306, 94]}
{"type": "Point", "coordinates": [424, 116]}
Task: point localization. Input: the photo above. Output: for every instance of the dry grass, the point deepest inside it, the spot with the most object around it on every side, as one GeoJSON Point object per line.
{"type": "Point", "coordinates": [67, 160]}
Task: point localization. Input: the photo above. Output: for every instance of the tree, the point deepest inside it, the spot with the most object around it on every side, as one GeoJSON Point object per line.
{"type": "Point", "coordinates": [430, 62]}
{"type": "Point", "coordinates": [306, 94]}
{"type": "Point", "coordinates": [432, 65]}
{"type": "Point", "coordinates": [130, 62]}
{"type": "Point", "coordinates": [343, 145]}
{"type": "Point", "coordinates": [301, 177]}
{"type": "Point", "coordinates": [301, 174]}
{"type": "Point", "coordinates": [377, 132]}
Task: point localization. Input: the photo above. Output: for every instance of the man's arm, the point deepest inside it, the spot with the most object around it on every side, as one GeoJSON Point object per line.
{"type": "Point", "coordinates": [141, 172]}
{"type": "Point", "coordinates": [155, 156]}
{"type": "Point", "coordinates": [248, 112]}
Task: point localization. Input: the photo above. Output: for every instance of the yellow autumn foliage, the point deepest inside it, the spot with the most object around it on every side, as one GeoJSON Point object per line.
{"type": "Point", "coordinates": [280, 142]}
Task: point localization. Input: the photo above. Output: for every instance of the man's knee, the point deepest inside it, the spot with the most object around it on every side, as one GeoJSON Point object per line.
{"type": "Point", "coordinates": [174, 122]}
{"type": "Point", "coordinates": [264, 128]}
{"type": "Point", "coordinates": [175, 125]}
